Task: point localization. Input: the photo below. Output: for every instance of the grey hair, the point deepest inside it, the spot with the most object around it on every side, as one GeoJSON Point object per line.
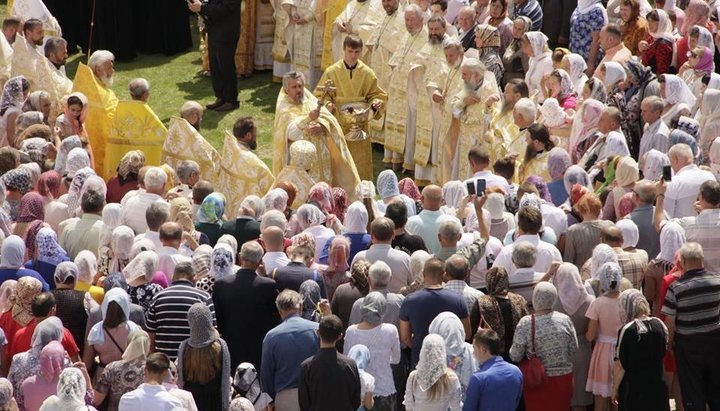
{"type": "Point", "coordinates": [288, 300]}
{"type": "Point", "coordinates": [450, 229]}
{"type": "Point", "coordinates": [255, 203]}
{"type": "Point", "coordinates": [526, 108]}
{"type": "Point", "coordinates": [380, 274]}
{"type": "Point", "coordinates": [292, 75]}
{"type": "Point", "coordinates": [189, 108]}
{"type": "Point", "coordinates": [138, 87]}
{"type": "Point", "coordinates": [414, 8]}
{"type": "Point", "coordinates": [185, 170]}
{"type": "Point", "coordinates": [645, 191]}
{"type": "Point", "coordinates": [251, 252]}
{"type": "Point", "coordinates": [100, 57]}
{"type": "Point", "coordinates": [468, 9]}
{"type": "Point", "coordinates": [273, 218]}
{"type": "Point", "coordinates": [691, 251]}
{"type": "Point", "coordinates": [682, 151]}
{"type": "Point", "coordinates": [524, 254]}
{"type": "Point", "coordinates": [53, 45]}
{"type": "Point", "coordinates": [157, 214]}
{"type": "Point", "coordinates": [655, 103]}
{"type": "Point", "coordinates": [451, 42]}
{"type": "Point", "coordinates": [184, 269]}
{"type": "Point", "coordinates": [155, 178]}
{"type": "Point", "coordinates": [474, 65]}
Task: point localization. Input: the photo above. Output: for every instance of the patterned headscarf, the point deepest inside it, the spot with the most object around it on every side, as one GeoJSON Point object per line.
{"type": "Point", "coordinates": [70, 390]}
{"type": "Point", "coordinates": [52, 361]}
{"type": "Point", "coordinates": [614, 73]}
{"type": "Point", "coordinates": [629, 302]}
{"type": "Point", "coordinates": [665, 27]}
{"type": "Point", "coordinates": [640, 73]}
{"type": "Point", "coordinates": [544, 296]}
{"type": "Point", "coordinates": [66, 146]}
{"type": "Point", "coordinates": [359, 275]}
{"type": "Point", "coordinates": [143, 265]}
{"type": "Point", "coordinates": [678, 136]}
{"type": "Point", "coordinates": [68, 269]}
{"type": "Point", "coordinates": [677, 91]}
{"type": "Point", "coordinates": [310, 293]}
{"type": "Point", "coordinates": [696, 13]}
{"type": "Point", "coordinates": [13, 95]}
{"type": "Point", "coordinates": [609, 275]}
{"type": "Point", "coordinates": [672, 237]}
{"type": "Point", "coordinates": [74, 193]}
{"type": "Point", "coordinates": [25, 290]}
{"type": "Point", "coordinates": [276, 199]}
{"type": "Point", "coordinates": [202, 331]}
{"type": "Point", "coordinates": [586, 123]}
{"type": "Point", "coordinates": [433, 361]}
{"type": "Point", "coordinates": [201, 260]}
{"type": "Point", "coordinates": [77, 159]}
{"type": "Point", "coordinates": [111, 218]}
{"type": "Point", "coordinates": [31, 238]}
{"type": "Point", "coordinates": [577, 70]}
{"type": "Point", "coordinates": [558, 161]}
{"type": "Point", "coordinates": [571, 291]}
{"type": "Point", "coordinates": [6, 393]}
{"type": "Point", "coordinates": [602, 253]}
{"type": "Point", "coordinates": [322, 194]}
{"type": "Point", "coordinates": [387, 184]}
{"type": "Point", "coordinates": [212, 208]}
{"type": "Point", "coordinates": [222, 261]}
{"type": "Point", "coordinates": [121, 243]}
{"type": "Point", "coordinates": [340, 199]}
{"type": "Point", "coordinates": [6, 290]}
{"type": "Point", "coordinates": [49, 251]}
{"type": "Point", "coordinates": [373, 308]}
{"type": "Point", "coordinates": [131, 162]}
{"type": "Point", "coordinates": [18, 179]}
{"type": "Point", "coordinates": [576, 175]}
{"type": "Point", "coordinates": [497, 281]}
{"type": "Point", "coordinates": [31, 208]}
{"type": "Point", "coordinates": [309, 215]}
{"type": "Point", "coordinates": [566, 84]}
{"type": "Point", "coordinates": [49, 184]}
{"type": "Point", "coordinates": [654, 163]}
{"type": "Point", "coordinates": [408, 187]}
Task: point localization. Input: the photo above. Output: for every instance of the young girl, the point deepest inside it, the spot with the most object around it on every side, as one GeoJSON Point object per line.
{"type": "Point", "coordinates": [604, 315]}
{"type": "Point", "coordinates": [72, 121]}
{"type": "Point", "coordinates": [361, 355]}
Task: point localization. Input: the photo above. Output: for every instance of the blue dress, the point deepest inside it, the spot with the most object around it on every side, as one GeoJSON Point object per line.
{"type": "Point", "coordinates": [581, 27]}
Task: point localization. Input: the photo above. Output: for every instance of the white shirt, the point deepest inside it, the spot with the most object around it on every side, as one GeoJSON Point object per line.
{"type": "Point", "coordinates": [149, 397]}
{"type": "Point", "coordinates": [477, 273]}
{"type": "Point", "coordinates": [134, 211]}
{"type": "Point", "coordinates": [655, 137]}
{"type": "Point", "coordinates": [523, 281]}
{"type": "Point", "coordinates": [398, 261]}
{"type": "Point", "coordinates": [546, 254]}
{"type": "Point", "coordinates": [169, 257]}
{"type": "Point", "coordinates": [491, 180]}
{"type": "Point", "coordinates": [274, 259]}
{"type": "Point", "coordinates": [153, 236]}
{"type": "Point", "coordinates": [682, 191]}
{"type": "Point", "coordinates": [554, 218]}
{"type": "Point", "coordinates": [426, 226]}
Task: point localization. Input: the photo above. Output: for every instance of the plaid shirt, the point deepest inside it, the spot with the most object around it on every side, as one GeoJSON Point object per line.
{"type": "Point", "coordinates": [470, 294]}
{"type": "Point", "coordinates": [703, 230]}
{"type": "Point", "coordinates": [633, 265]}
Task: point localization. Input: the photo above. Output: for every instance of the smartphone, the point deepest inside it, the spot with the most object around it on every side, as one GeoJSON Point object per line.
{"type": "Point", "coordinates": [667, 173]}
{"type": "Point", "coordinates": [470, 187]}
{"type": "Point", "coordinates": [481, 186]}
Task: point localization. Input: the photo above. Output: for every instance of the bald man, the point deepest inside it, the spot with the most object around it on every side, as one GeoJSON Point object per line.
{"type": "Point", "coordinates": [274, 240]}
{"type": "Point", "coordinates": [425, 224]}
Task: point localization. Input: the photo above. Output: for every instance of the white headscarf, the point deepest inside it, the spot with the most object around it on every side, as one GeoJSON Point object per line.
{"type": "Point", "coordinates": [677, 91]}
{"type": "Point", "coordinates": [615, 144]}
{"type": "Point", "coordinates": [122, 241]}
{"type": "Point", "coordinates": [13, 252]}
{"type": "Point", "coordinates": [614, 73]}
{"type": "Point", "coordinates": [672, 237]}
{"type": "Point", "coordinates": [450, 328]}
{"type": "Point", "coordinates": [111, 218]}
{"type": "Point", "coordinates": [630, 232]}
{"type": "Point", "coordinates": [138, 346]}
{"type": "Point", "coordinates": [433, 361]}
{"type": "Point", "coordinates": [417, 263]}
{"type": "Point", "coordinates": [665, 27]}
{"type": "Point", "coordinates": [577, 71]}
{"type": "Point", "coordinates": [309, 215]}
{"type": "Point", "coordinates": [715, 157]}
{"type": "Point", "coordinates": [356, 219]}
{"type": "Point", "coordinates": [538, 42]}
{"type": "Point", "coordinates": [585, 6]}
{"type": "Point", "coordinates": [71, 390]}
{"type": "Point", "coordinates": [710, 108]}
{"type": "Point", "coordinates": [143, 265]}
{"type": "Point", "coordinates": [87, 266]}
{"type": "Point", "coordinates": [222, 261]}
{"type": "Point", "coordinates": [453, 193]}
{"type": "Point", "coordinates": [654, 163]}
{"type": "Point", "coordinates": [77, 159]}
{"type": "Point", "coordinates": [387, 184]}
{"type": "Point", "coordinates": [275, 199]}
{"type": "Point", "coordinates": [122, 299]}
{"type": "Point", "coordinates": [602, 253]}
{"type": "Point", "coordinates": [571, 292]}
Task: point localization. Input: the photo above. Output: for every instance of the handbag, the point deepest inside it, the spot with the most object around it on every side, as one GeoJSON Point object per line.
{"type": "Point", "coordinates": [532, 368]}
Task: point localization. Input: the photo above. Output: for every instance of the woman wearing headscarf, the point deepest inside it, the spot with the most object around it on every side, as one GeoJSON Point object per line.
{"type": "Point", "coordinates": [18, 183]}
{"type": "Point", "coordinates": [346, 294]}
{"type": "Point", "coordinates": [14, 94]}
{"type": "Point", "coordinates": [657, 50]}
{"type": "Point", "coordinates": [355, 228]}
{"type": "Point", "coordinates": [557, 163]}
{"type": "Point", "coordinates": [627, 174]}
{"type": "Point", "coordinates": [338, 266]}
{"type": "Point", "coordinates": [71, 121]}
{"type": "Point", "coordinates": [514, 58]}
{"type": "Point", "coordinates": [61, 161]}
{"type": "Point", "coordinates": [108, 339]}
{"type": "Point", "coordinates": [535, 45]}
{"type": "Point", "coordinates": [714, 157]}
{"type": "Point", "coordinates": [209, 217]}
{"type": "Point", "coordinates": [222, 262]}
{"type": "Point", "coordinates": [709, 120]}
{"type": "Point", "coordinates": [555, 344]}
{"type": "Point", "coordinates": [417, 263]}
{"type": "Point", "coordinates": [700, 63]}
{"type": "Point", "coordinates": [6, 290]}
{"type": "Point", "coordinates": [488, 43]}
{"type": "Point", "coordinates": [652, 165]}
{"type": "Point", "coordinates": [585, 24]}
{"type": "Point", "coordinates": [639, 362]}
{"type": "Point", "coordinates": [247, 393]}
{"type": "Point", "coordinates": [613, 75]}
{"type": "Point", "coordinates": [139, 273]}
{"type": "Point", "coordinates": [499, 309]}
{"type": "Point", "coordinates": [87, 270]}
{"type": "Point", "coordinates": [120, 245]}
{"type": "Point", "coordinates": [581, 238]}
{"type": "Point", "coordinates": [604, 315]}
{"type": "Point", "coordinates": [49, 255]}
{"type": "Point", "coordinates": [20, 314]}
{"type": "Point", "coordinates": [697, 13]}
{"type": "Point", "coordinates": [43, 384]}
{"type": "Point", "coordinates": [585, 128]}
{"type": "Point", "coordinates": [361, 355]}
{"type": "Point", "coordinates": [111, 219]}
{"type": "Point", "coordinates": [49, 187]}
{"type": "Point", "coordinates": [498, 17]}
{"type": "Point", "coordinates": [636, 86]}
{"type": "Point", "coordinates": [311, 296]}
{"type": "Point", "coordinates": [311, 220]}
{"type": "Point", "coordinates": [181, 213]}
{"type": "Point", "coordinates": [204, 362]}
{"type": "Point", "coordinates": [5, 220]}
{"type": "Point", "coordinates": [432, 385]}
{"type": "Point", "coordinates": [408, 187]}
{"type": "Point", "coordinates": [460, 356]}
{"type": "Point", "coordinates": [634, 27]}
{"type": "Point", "coordinates": [383, 344]}
{"type": "Point", "coordinates": [74, 197]}
{"type": "Point", "coordinates": [70, 303]}
{"type": "Point", "coordinates": [72, 390]}
{"type": "Point", "coordinates": [201, 259]}
{"type": "Point", "coordinates": [575, 66]}
{"type": "Point", "coordinates": [340, 199]}
{"type": "Point", "coordinates": [389, 190]}
{"type": "Point", "coordinates": [677, 96]}
{"type": "Point", "coordinates": [126, 374]}
{"type": "Point", "coordinates": [7, 401]}
{"type": "Point", "coordinates": [12, 262]}
{"type": "Point", "coordinates": [126, 179]}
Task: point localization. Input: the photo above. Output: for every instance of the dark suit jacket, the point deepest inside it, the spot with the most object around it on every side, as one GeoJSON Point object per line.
{"type": "Point", "coordinates": [468, 42]}
{"type": "Point", "coordinates": [245, 311]}
{"type": "Point", "coordinates": [329, 381]}
{"type": "Point", "coordinates": [222, 20]}
{"type": "Point", "coordinates": [243, 229]}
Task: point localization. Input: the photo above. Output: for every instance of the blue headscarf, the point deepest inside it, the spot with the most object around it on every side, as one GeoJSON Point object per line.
{"type": "Point", "coordinates": [212, 209]}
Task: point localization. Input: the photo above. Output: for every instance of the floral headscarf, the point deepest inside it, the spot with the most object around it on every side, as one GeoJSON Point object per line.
{"type": "Point", "coordinates": [77, 159]}
{"type": "Point", "coordinates": [322, 194]}
{"type": "Point", "coordinates": [571, 291]}
{"type": "Point", "coordinates": [577, 70]}
{"type": "Point", "coordinates": [310, 293]}
{"type": "Point", "coordinates": [387, 184]}
{"type": "Point", "coordinates": [602, 253]}
{"type": "Point", "coordinates": [490, 35]}
{"type": "Point", "coordinates": [408, 187]}
{"type": "Point", "coordinates": [31, 208]}
{"type": "Point", "coordinates": [340, 199]}
{"type": "Point", "coordinates": [212, 208]}
{"type": "Point", "coordinates": [121, 244]}
{"type": "Point", "coordinates": [201, 260]}
{"type": "Point", "coordinates": [13, 95]}
{"type": "Point", "coordinates": [639, 72]}
{"type": "Point", "coordinates": [654, 163]}
{"type": "Point", "coordinates": [25, 290]}
{"type": "Point", "coordinates": [49, 184]}
{"type": "Point", "coordinates": [677, 91]}
{"type": "Point", "coordinates": [222, 261]}
{"type": "Point", "coordinates": [74, 193]}
{"type": "Point", "coordinates": [18, 179]}
{"type": "Point", "coordinates": [49, 250]}
{"type": "Point", "coordinates": [66, 146]}
{"type": "Point", "coordinates": [309, 215]}
{"type": "Point", "coordinates": [609, 275]}
{"type": "Point", "coordinates": [276, 199]}
{"type": "Point", "coordinates": [131, 162]}
{"type": "Point", "coordinates": [566, 84]}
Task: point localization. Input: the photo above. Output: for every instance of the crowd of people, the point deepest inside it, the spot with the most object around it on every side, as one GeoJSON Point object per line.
{"type": "Point", "coordinates": [552, 244]}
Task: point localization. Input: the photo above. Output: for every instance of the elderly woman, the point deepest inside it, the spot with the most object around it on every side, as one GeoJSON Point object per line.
{"type": "Point", "coordinates": [613, 76]}
{"type": "Point", "coordinates": [43, 384]}
{"type": "Point", "coordinates": [209, 217]}
{"type": "Point", "coordinates": [204, 362]}
{"type": "Point", "coordinates": [460, 356]}
{"type": "Point", "coordinates": [534, 44]}
{"type": "Point", "coordinates": [354, 230]}
{"type": "Point", "coordinates": [72, 390]}
{"type": "Point", "coordinates": [585, 24]}
{"type": "Point", "coordinates": [139, 273]}
{"type": "Point", "coordinates": [585, 128]}
{"type": "Point", "coordinates": [384, 344]}
{"type": "Point", "coordinates": [652, 164]}
{"type": "Point", "coordinates": [638, 375]}
{"type": "Point", "coordinates": [637, 88]}
{"type": "Point", "coordinates": [18, 183]}
{"type": "Point", "coordinates": [417, 262]}
{"type": "Point", "coordinates": [49, 255]}
{"type": "Point", "coordinates": [557, 163]}
{"type": "Point", "coordinates": [346, 294]}
{"type": "Point", "coordinates": [12, 261]}
{"type": "Point", "coordinates": [488, 43]}
{"type": "Point", "coordinates": [87, 269]}
{"type": "Point", "coordinates": [389, 190]}
{"type": "Point", "coordinates": [514, 58]}
{"type": "Point", "coordinates": [551, 336]}
{"type": "Point", "coordinates": [499, 18]}
{"type": "Point", "coordinates": [127, 178]}
{"type": "Point", "coordinates": [432, 385]}
{"type": "Point", "coordinates": [123, 376]}
{"type": "Point", "coordinates": [311, 220]}
{"type": "Point", "coordinates": [7, 401]}
{"type": "Point", "coordinates": [19, 315]}
{"type": "Point", "coordinates": [499, 308]}
{"type": "Point", "coordinates": [108, 339]}
{"type": "Point", "coordinates": [678, 98]}
{"type": "Point", "coordinates": [222, 262]}
{"type": "Point", "coordinates": [709, 120]}
{"type": "Point", "coordinates": [111, 218]}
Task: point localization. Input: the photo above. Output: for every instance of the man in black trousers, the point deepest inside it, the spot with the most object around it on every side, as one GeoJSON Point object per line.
{"type": "Point", "coordinates": [222, 19]}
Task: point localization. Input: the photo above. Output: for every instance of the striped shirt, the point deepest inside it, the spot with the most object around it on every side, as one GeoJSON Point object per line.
{"type": "Point", "coordinates": [167, 315]}
{"type": "Point", "coordinates": [703, 230]}
{"type": "Point", "coordinates": [694, 301]}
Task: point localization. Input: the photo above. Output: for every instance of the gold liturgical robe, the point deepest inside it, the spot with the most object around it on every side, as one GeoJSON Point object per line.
{"type": "Point", "coordinates": [241, 173]}
{"type": "Point", "coordinates": [470, 124]}
{"type": "Point", "coordinates": [450, 85]}
{"type": "Point", "coordinates": [382, 44]}
{"type": "Point", "coordinates": [264, 39]}
{"type": "Point", "coordinates": [405, 56]}
{"type": "Point", "coordinates": [335, 164]}
{"type": "Point", "coordinates": [352, 86]}
{"type": "Point", "coordinates": [102, 102]}
{"type": "Point", "coordinates": [183, 142]}
{"type": "Point", "coordinates": [505, 136]}
{"type": "Point", "coordinates": [245, 50]}
{"type": "Point", "coordinates": [6, 57]}
{"type": "Point", "coordinates": [305, 41]}
{"type": "Point", "coordinates": [26, 61]}
{"type": "Point", "coordinates": [359, 17]}
{"type": "Point", "coordinates": [332, 10]}
{"type": "Point", "coordinates": [135, 127]}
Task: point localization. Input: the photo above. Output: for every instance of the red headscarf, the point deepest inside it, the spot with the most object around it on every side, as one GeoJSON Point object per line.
{"type": "Point", "coordinates": [408, 187]}
{"type": "Point", "coordinates": [30, 237]}
{"type": "Point", "coordinates": [49, 184]}
{"type": "Point", "coordinates": [31, 208]}
{"type": "Point", "coordinates": [340, 198]}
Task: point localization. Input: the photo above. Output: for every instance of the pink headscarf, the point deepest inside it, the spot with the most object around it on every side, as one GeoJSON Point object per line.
{"type": "Point", "coordinates": [340, 199]}
{"type": "Point", "coordinates": [626, 205]}
{"type": "Point", "coordinates": [409, 188]}
{"type": "Point", "coordinates": [697, 12]}
{"type": "Point", "coordinates": [339, 251]}
{"type": "Point", "coordinates": [49, 184]}
{"type": "Point", "coordinates": [77, 126]}
{"type": "Point", "coordinates": [322, 194]}
{"type": "Point", "coordinates": [706, 63]}
{"type": "Point", "coordinates": [31, 208]}
{"type": "Point", "coordinates": [52, 360]}
{"type": "Point", "coordinates": [591, 111]}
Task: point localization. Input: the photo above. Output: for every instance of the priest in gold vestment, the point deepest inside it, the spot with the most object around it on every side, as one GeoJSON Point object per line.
{"type": "Point", "coordinates": [397, 113]}
{"type": "Point", "coordinates": [505, 132]}
{"type": "Point", "coordinates": [354, 82]}
{"type": "Point", "coordinates": [27, 53]}
{"type": "Point", "coordinates": [381, 46]}
{"type": "Point", "coordinates": [303, 157]}
{"type": "Point", "coordinates": [241, 172]}
{"type": "Point", "coordinates": [422, 139]}
{"type": "Point", "coordinates": [94, 81]}
{"type": "Point", "coordinates": [298, 116]}
{"type": "Point", "coordinates": [359, 19]}
{"type": "Point", "coordinates": [302, 35]}
{"type": "Point", "coordinates": [473, 110]}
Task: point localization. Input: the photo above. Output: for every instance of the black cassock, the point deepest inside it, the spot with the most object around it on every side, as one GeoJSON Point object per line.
{"type": "Point", "coordinates": [165, 27]}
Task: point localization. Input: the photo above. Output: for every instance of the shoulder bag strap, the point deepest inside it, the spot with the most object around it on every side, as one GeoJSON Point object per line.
{"type": "Point", "coordinates": [113, 340]}
{"type": "Point", "coordinates": [273, 273]}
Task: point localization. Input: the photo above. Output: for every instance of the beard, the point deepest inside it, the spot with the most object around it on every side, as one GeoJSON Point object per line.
{"type": "Point", "coordinates": [253, 144]}
{"type": "Point", "coordinates": [107, 81]}
{"type": "Point", "coordinates": [435, 39]}
{"type": "Point", "coordinates": [471, 86]}
{"type": "Point", "coordinates": [196, 126]}
{"type": "Point", "coordinates": [38, 42]}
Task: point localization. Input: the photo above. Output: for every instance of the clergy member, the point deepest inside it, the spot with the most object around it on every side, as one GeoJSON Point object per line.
{"type": "Point", "coordinates": [51, 74]}
{"type": "Point", "coordinates": [359, 18]}
{"type": "Point", "coordinates": [405, 56]}
{"type": "Point", "coordinates": [422, 137]}
{"type": "Point", "coordinates": [27, 55]}
{"type": "Point", "coordinates": [303, 157]}
{"type": "Point", "coordinates": [299, 116]}
{"type": "Point", "coordinates": [449, 85]}
{"type": "Point", "coordinates": [135, 127]}
{"type": "Point", "coordinates": [304, 38]}
{"type": "Point", "coordinates": [7, 39]}
{"type": "Point", "coordinates": [473, 109]}
{"type": "Point", "coordinates": [505, 132]}
{"type": "Point", "coordinates": [354, 82]}
{"type": "Point", "coordinates": [384, 41]}
{"type": "Point", "coordinates": [94, 81]}
{"type": "Point", "coordinates": [241, 172]}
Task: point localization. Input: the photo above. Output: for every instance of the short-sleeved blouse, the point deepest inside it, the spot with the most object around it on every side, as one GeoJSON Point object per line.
{"type": "Point", "coordinates": [582, 25]}
{"type": "Point", "coordinates": [119, 378]}
{"type": "Point", "coordinates": [555, 342]}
